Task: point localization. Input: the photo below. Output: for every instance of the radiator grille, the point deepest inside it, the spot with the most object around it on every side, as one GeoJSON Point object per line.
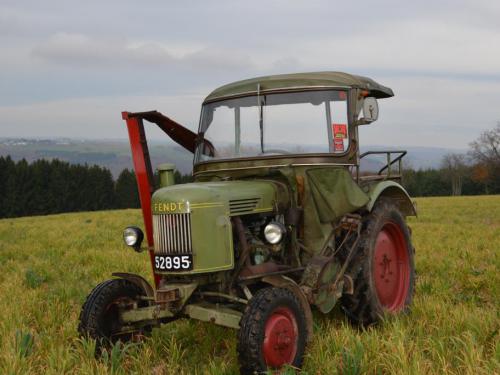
{"type": "Point", "coordinates": [172, 233]}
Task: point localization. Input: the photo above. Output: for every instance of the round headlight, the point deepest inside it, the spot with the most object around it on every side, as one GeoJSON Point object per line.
{"type": "Point", "coordinates": [274, 232]}
{"type": "Point", "coordinates": [133, 236]}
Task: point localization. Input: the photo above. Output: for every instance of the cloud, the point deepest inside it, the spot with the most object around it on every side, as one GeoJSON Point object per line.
{"type": "Point", "coordinates": [9, 24]}
{"type": "Point", "coordinates": [79, 49]}
{"type": "Point", "coordinates": [423, 46]}
{"type": "Point", "coordinates": [433, 112]}
{"type": "Point", "coordinates": [218, 58]}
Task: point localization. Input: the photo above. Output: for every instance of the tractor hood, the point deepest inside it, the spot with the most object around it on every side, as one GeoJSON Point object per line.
{"type": "Point", "coordinates": [234, 197]}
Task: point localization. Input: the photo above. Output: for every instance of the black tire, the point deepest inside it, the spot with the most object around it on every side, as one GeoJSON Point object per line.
{"type": "Point", "coordinates": [99, 317]}
{"type": "Point", "coordinates": [279, 312]}
{"type": "Point", "coordinates": [370, 301]}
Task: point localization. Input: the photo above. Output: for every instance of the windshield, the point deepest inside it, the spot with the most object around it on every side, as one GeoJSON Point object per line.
{"type": "Point", "coordinates": [274, 124]}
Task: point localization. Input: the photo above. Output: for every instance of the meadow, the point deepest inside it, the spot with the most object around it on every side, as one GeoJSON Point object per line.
{"type": "Point", "coordinates": [48, 265]}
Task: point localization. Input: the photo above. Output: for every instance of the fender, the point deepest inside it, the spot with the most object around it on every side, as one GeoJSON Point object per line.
{"type": "Point", "coordinates": [281, 281]}
{"type": "Point", "coordinates": [396, 192]}
{"type": "Point", "coordinates": [140, 281]}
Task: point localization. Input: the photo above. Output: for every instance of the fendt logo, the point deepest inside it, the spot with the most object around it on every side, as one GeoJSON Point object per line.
{"type": "Point", "coordinates": [168, 207]}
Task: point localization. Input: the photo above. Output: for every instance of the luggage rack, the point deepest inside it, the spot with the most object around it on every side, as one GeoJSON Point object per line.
{"type": "Point", "coordinates": [392, 158]}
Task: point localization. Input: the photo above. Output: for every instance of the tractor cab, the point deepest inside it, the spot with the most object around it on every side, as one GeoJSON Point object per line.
{"type": "Point", "coordinates": [280, 116]}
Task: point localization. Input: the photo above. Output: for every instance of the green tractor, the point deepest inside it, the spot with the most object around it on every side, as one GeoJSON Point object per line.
{"type": "Point", "coordinates": [278, 221]}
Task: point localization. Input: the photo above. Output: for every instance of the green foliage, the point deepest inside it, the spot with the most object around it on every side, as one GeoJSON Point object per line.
{"type": "Point", "coordinates": [352, 359]}
{"type": "Point", "coordinates": [127, 195]}
{"type": "Point", "coordinates": [24, 344]}
{"type": "Point", "coordinates": [182, 178]}
{"type": "Point", "coordinates": [114, 356]}
{"type": "Point", "coordinates": [436, 182]}
{"type": "Point", "coordinates": [453, 327]}
{"type": "Point", "coordinates": [47, 187]}
{"type": "Point", "coordinates": [459, 176]}
{"type": "Point", "coordinates": [424, 183]}
{"type": "Point", "coordinates": [33, 279]}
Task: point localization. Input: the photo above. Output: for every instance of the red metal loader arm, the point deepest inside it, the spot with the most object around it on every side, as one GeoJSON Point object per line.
{"type": "Point", "coordinates": [179, 134]}
{"type": "Point", "coordinates": [142, 162]}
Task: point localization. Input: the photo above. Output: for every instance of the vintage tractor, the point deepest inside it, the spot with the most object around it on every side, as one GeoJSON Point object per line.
{"type": "Point", "coordinates": [278, 220]}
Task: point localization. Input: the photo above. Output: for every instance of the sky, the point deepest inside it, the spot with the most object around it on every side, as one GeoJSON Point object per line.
{"type": "Point", "coordinates": [68, 68]}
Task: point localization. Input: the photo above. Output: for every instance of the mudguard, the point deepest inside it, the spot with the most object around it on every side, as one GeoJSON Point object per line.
{"type": "Point", "coordinates": [395, 191]}
{"type": "Point", "coordinates": [140, 281]}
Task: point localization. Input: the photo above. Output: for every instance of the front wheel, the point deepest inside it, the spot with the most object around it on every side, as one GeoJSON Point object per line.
{"type": "Point", "coordinates": [383, 267]}
{"type": "Point", "coordinates": [272, 332]}
{"type": "Point", "coordinates": [100, 315]}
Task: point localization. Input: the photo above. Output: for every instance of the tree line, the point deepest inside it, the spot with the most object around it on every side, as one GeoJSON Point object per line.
{"type": "Point", "coordinates": [473, 173]}
{"type": "Point", "coordinates": [52, 186]}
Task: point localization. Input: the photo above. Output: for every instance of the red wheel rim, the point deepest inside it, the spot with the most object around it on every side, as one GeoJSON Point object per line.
{"type": "Point", "coordinates": [391, 267]}
{"type": "Point", "coordinates": [280, 341]}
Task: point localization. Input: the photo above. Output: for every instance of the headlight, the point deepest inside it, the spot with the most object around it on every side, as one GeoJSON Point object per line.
{"type": "Point", "coordinates": [133, 236]}
{"type": "Point", "coordinates": [274, 232]}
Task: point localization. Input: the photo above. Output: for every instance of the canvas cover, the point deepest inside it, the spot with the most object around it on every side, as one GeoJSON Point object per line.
{"type": "Point", "coordinates": [330, 194]}
{"type": "Point", "coordinates": [334, 193]}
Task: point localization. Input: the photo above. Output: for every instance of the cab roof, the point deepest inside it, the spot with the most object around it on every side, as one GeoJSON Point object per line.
{"type": "Point", "coordinates": [300, 81]}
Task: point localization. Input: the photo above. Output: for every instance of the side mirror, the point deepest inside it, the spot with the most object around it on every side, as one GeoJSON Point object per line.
{"type": "Point", "coordinates": [370, 111]}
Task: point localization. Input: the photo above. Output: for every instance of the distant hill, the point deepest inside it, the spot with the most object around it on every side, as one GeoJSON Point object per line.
{"type": "Point", "coordinates": [419, 157]}
{"type": "Point", "coordinates": [115, 154]}
{"type": "Point", "coordinates": [112, 154]}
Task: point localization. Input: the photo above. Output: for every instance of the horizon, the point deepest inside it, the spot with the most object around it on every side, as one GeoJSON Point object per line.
{"type": "Point", "coordinates": [170, 142]}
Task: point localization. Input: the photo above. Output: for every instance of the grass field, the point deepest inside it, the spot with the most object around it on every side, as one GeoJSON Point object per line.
{"type": "Point", "coordinates": [49, 264]}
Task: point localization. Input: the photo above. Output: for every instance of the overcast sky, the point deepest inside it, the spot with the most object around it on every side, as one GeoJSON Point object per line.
{"type": "Point", "coordinates": [68, 68]}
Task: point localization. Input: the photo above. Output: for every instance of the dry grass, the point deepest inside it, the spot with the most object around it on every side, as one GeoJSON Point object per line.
{"type": "Point", "coordinates": [49, 264]}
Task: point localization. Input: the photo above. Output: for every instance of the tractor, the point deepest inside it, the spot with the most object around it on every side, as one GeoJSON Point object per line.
{"type": "Point", "coordinates": [279, 220]}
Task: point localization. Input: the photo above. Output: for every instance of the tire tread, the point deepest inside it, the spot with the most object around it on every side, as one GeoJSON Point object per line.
{"type": "Point", "coordinates": [362, 306]}
{"type": "Point", "coordinates": [251, 333]}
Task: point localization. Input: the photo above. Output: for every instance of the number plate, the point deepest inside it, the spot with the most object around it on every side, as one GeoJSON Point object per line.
{"type": "Point", "coordinates": [174, 263]}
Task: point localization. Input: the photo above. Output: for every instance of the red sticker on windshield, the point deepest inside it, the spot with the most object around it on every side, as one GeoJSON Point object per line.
{"type": "Point", "coordinates": [339, 131]}
{"type": "Point", "coordinates": [342, 95]}
{"type": "Point", "coordinates": [338, 144]}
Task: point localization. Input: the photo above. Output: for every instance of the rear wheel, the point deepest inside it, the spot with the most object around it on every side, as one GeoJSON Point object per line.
{"type": "Point", "coordinates": [383, 267]}
{"type": "Point", "coordinates": [100, 315]}
{"type": "Point", "coordinates": [272, 332]}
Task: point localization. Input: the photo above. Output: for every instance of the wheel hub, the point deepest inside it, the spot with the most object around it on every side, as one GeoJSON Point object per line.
{"type": "Point", "coordinates": [391, 268]}
{"type": "Point", "coordinates": [280, 341]}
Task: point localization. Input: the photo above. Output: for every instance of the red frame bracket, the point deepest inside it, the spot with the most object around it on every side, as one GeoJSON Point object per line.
{"type": "Point", "coordinates": [144, 177]}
